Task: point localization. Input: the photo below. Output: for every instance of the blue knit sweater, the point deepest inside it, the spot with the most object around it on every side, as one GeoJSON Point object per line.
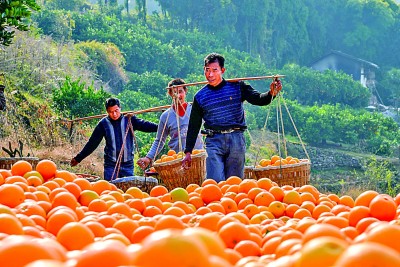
{"type": "Point", "coordinates": [221, 108]}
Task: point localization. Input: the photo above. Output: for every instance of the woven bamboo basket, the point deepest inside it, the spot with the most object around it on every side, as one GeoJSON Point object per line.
{"type": "Point", "coordinates": [173, 175]}
{"type": "Point", "coordinates": [294, 174]}
{"type": "Point", "coordinates": [89, 177]}
{"type": "Point", "coordinates": [143, 183]}
{"type": "Point", "coordinates": [249, 172]}
{"type": "Point", "coordinates": [6, 163]}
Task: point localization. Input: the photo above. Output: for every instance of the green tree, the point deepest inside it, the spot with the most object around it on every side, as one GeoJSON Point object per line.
{"type": "Point", "coordinates": [15, 15]}
{"type": "Point", "coordinates": [74, 99]}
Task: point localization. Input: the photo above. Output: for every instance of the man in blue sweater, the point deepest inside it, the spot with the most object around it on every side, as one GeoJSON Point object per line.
{"type": "Point", "coordinates": [113, 128]}
{"type": "Point", "coordinates": [220, 105]}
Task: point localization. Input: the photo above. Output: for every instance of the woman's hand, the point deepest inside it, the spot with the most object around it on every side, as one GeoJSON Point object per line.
{"type": "Point", "coordinates": [143, 162]}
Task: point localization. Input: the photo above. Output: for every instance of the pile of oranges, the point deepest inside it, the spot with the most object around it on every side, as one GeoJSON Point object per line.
{"type": "Point", "coordinates": [51, 217]}
{"type": "Point", "coordinates": [172, 155]}
{"type": "Point", "coordinates": [276, 160]}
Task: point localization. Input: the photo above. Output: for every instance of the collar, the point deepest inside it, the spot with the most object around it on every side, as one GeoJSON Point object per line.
{"type": "Point", "coordinates": [219, 86]}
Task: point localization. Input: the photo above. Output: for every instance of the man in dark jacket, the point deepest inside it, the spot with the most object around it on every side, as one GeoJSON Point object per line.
{"type": "Point", "coordinates": [119, 140]}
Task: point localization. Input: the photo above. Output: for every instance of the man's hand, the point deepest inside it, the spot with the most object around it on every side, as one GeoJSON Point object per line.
{"type": "Point", "coordinates": [187, 161]}
{"type": "Point", "coordinates": [73, 162]}
{"type": "Point", "coordinates": [143, 162]}
{"type": "Point", "coordinates": [275, 87]}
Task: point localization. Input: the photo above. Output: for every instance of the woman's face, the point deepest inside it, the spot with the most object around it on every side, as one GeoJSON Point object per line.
{"type": "Point", "coordinates": [179, 92]}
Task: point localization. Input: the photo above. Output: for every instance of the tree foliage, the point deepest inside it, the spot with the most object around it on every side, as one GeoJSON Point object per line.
{"type": "Point", "coordinates": [15, 15]}
{"type": "Point", "coordinates": [74, 99]}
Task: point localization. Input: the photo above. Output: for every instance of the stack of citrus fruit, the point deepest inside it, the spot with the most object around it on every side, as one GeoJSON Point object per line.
{"type": "Point", "coordinates": [276, 160]}
{"type": "Point", "coordinates": [172, 155]}
{"type": "Point", "coordinates": [50, 217]}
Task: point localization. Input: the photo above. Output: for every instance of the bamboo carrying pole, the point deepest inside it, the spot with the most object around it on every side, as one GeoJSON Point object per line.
{"type": "Point", "coordinates": [71, 122]}
{"type": "Point", "coordinates": [155, 109]}
{"type": "Point", "coordinates": [231, 80]}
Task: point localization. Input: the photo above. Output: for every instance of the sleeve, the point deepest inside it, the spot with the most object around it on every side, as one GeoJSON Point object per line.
{"type": "Point", "coordinates": [92, 144]}
{"type": "Point", "coordinates": [253, 96]}
{"type": "Point", "coordinates": [158, 144]}
{"type": "Point", "coordinates": [195, 122]}
{"type": "Point", "coordinates": [2, 101]}
{"type": "Point", "coordinates": [143, 126]}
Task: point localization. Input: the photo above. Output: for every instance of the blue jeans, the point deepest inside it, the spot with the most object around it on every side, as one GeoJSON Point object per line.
{"type": "Point", "coordinates": [226, 155]}
{"type": "Point", "coordinates": [126, 169]}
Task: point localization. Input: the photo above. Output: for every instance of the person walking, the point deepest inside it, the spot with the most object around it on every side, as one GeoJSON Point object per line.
{"type": "Point", "coordinates": [120, 146]}
{"type": "Point", "coordinates": [173, 123]}
{"type": "Point", "coordinates": [220, 105]}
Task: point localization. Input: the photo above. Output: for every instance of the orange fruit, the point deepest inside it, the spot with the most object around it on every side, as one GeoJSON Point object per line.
{"type": "Point", "coordinates": [247, 184]}
{"type": "Point", "coordinates": [158, 190]}
{"type": "Point", "coordinates": [169, 222]}
{"type": "Point", "coordinates": [383, 207]}
{"type": "Point", "coordinates": [75, 236]}
{"type": "Point", "coordinates": [214, 244]}
{"type": "Point", "coordinates": [11, 195]}
{"type": "Point", "coordinates": [364, 223]}
{"type": "Point", "coordinates": [321, 251]}
{"type": "Point", "coordinates": [357, 213]}
{"type": "Point", "coordinates": [172, 249]}
{"type": "Point", "coordinates": [83, 183]}
{"type": "Point", "coordinates": [248, 248]}
{"type": "Point", "coordinates": [368, 254]}
{"type": "Point", "coordinates": [9, 224]}
{"type": "Point", "coordinates": [20, 168]}
{"type": "Point", "coordinates": [140, 233]}
{"type": "Point", "coordinates": [120, 208]}
{"type": "Point", "coordinates": [365, 198]}
{"type": "Point", "coordinates": [22, 250]}
{"type": "Point", "coordinates": [229, 205]}
{"type": "Point", "coordinates": [277, 208]}
{"type": "Point", "coordinates": [233, 180]}
{"type": "Point", "coordinates": [64, 199]}
{"type": "Point", "coordinates": [46, 168]}
{"type": "Point", "coordinates": [34, 181]}
{"type": "Point", "coordinates": [100, 186]}
{"type": "Point", "coordinates": [210, 193]}
{"type": "Point", "coordinates": [105, 253]}
{"type": "Point", "coordinates": [264, 199]}
{"type": "Point", "coordinates": [264, 183]}
{"type": "Point", "coordinates": [292, 197]}
{"type": "Point", "coordinates": [277, 192]}
{"type": "Point", "coordinates": [232, 233]}
{"type": "Point", "coordinates": [318, 230]}
{"type": "Point", "coordinates": [126, 226]}
{"type": "Point", "coordinates": [385, 234]}
{"type": "Point", "coordinates": [58, 220]}
{"type": "Point", "coordinates": [232, 255]}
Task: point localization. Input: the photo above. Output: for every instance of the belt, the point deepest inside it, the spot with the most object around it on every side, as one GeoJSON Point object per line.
{"type": "Point", "coordinates": [231, 130]}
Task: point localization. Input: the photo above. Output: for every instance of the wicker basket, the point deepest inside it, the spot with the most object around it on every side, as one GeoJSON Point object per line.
{"type": "Point", "coordinates": [89, 177]}
{"type": "Point", "coordinates": [6, 163]}
{"type": "Point", "coordinates": [294, 174]}
{"type": "Point", "coordinates": [249, 172]}
{"type": "Point", "coordinates": [143, 183]}
{"type": "Point", "coordinates": [173, 175]}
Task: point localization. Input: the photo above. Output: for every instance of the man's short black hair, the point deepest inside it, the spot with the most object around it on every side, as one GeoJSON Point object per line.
{"type": "Point", "coordinates": [110, 102]}
{"type": "Point", "coordinates": [214, 57]}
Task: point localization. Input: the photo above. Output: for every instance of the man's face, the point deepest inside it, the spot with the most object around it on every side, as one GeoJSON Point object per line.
{"type": "Point", "coordinates": [114, 112]}
{"type": "Point", "coordinates": [213, 73]}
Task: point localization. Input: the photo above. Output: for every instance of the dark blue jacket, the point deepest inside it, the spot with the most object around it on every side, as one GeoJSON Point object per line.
{"type": "Point", "coordinates": [114, 132]}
